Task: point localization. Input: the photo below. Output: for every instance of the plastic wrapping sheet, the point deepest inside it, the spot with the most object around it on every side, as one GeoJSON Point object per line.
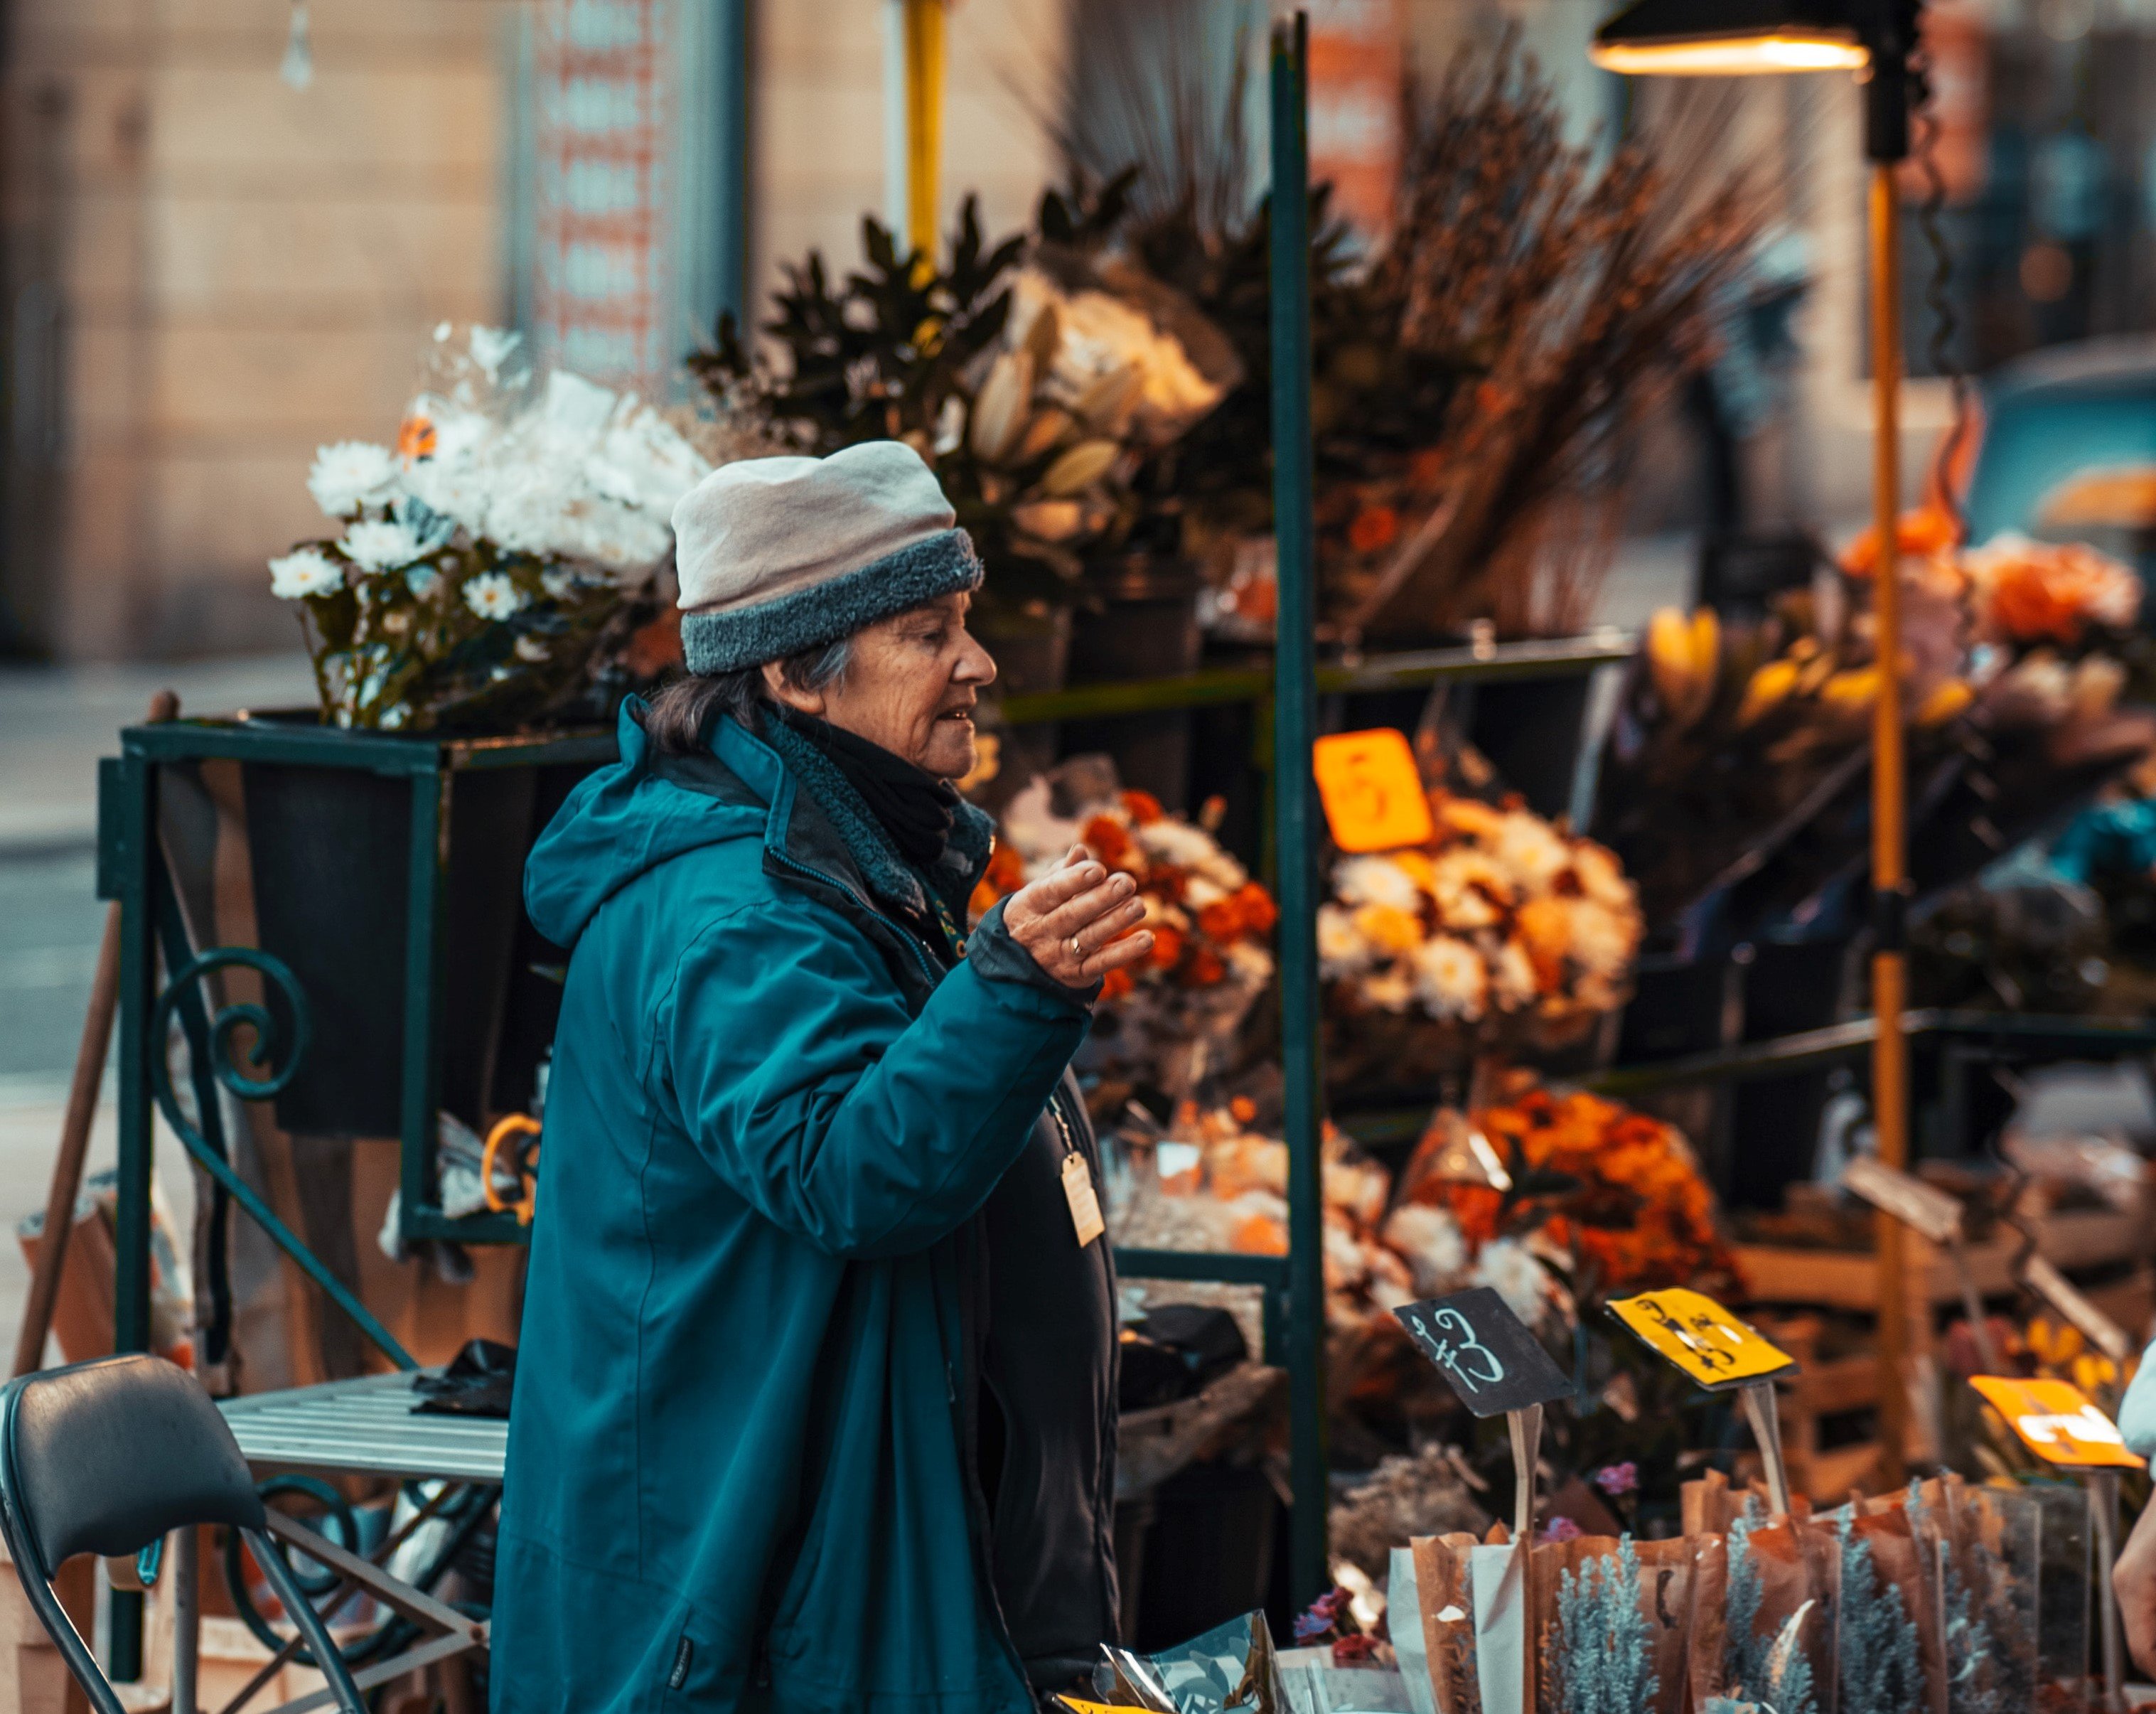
{"type": "Point", "coordinates": [1980, 1549]}
{"type": "Point", "coordinates": [1313, 1684]}
{"type": "Point", "coordinates": [1886, 1612]}
{"type": "Point", "coordinates": [1229, 1666]}
{"type": "Point", "coordinates": [2065, 1572]}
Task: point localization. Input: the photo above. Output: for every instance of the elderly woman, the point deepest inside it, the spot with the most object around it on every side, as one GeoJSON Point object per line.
{"type": "Point", "coordinates": [815, 1408]}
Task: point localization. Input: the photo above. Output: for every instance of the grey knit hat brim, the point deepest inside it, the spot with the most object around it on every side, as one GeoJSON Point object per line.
{"type": "Point", "coordinates": [731, 638]}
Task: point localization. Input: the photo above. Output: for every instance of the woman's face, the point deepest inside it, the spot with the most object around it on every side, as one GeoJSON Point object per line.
{"type": "Point", "coordinates": [911, 686]}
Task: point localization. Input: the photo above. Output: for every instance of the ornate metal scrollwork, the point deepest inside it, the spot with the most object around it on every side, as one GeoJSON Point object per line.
{"type": "Point", "coordinates": [243, 1014]}
{"type": "Point", "coordinates": [227, 1022]}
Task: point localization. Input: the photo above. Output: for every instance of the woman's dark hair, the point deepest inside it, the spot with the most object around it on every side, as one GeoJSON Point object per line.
{"type": "Point", "coordinates": [684, 712]}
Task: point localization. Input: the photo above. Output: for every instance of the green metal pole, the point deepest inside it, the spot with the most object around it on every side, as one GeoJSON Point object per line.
{"type": "Point", "coordinates": [1295, 810]}
{"type": "Point", "coordinates": [731, 120]}
{"type": "Point", "coordinates": [138, 855]}
{"type": "Point", "coordinates": [426, 881]}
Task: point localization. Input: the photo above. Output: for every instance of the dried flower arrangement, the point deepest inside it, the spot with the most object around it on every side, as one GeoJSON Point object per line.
{"type": "Point", "coordinates": [1475, 385]}
{"type": "Point", "coordinates": [491, 560]}
{"type": "Point", "coordinates": [1610, 1199]}
{"type": "Point", "coordinates": [1577, 297]}
{"type": "Point", "coordinates": [1036, 386]}
{"type": "Point", "coordinates": [1599, 1200]}
{"type": "Point", "coordinates": [1172, 1019]}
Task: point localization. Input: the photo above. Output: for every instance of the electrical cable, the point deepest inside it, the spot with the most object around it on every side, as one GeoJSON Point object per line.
{"type": "Point", "coordinates": [1939, 294]}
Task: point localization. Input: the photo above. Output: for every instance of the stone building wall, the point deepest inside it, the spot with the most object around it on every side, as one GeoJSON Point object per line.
{"type": "Point", "coordinates": [817, 144]}
{"type": "Point", "coordinates": [239, 270]}
{"type": "Point", "coordinates": [213, 272]}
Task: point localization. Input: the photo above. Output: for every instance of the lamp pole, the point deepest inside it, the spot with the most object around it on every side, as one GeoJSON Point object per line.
{"type": "Point", "coordinates": [920, 27]}
{"type": "Point", "coordinates": [1890, 38]}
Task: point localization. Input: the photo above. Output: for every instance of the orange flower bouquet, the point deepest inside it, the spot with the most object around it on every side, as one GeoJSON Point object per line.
{"type": "Point", "coordinates": [1177, 1015]}
{"type": "Point", "coordinates": [1610, 1199]}
{"type": "Point", "coordinates": [2025, 593]}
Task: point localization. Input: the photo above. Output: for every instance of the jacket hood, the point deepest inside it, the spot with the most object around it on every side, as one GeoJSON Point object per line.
{"type": "Point", "coordinates": [625, 819]}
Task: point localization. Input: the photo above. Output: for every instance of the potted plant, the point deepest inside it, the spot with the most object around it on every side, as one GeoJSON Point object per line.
{"type": "Point", "coordinates": [492, 586]}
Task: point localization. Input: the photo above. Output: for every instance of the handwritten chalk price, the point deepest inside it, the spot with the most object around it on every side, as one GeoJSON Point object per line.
{"type": "Point", "coordinates": [1372, 790]}
{"type": "Point", "coordinates": [1698, 1337]}
{"type": "Point", "coordinates": [1485, 1352]}
{"type": "Point", "coordinates": [2054, 1420]}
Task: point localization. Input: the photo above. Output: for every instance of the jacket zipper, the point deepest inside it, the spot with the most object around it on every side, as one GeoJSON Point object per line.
{"type": "Point", "coordinates": [816, 875]}
{"type": "Point", "coordinates": [984, 1556]}
{"type": "Point", "coordinates": [1103, 1499]}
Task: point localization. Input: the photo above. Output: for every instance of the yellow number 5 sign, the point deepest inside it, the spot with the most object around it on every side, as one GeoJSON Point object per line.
{"type": "Point", "coordinates": [1372, 790]}
{"type": "Point", "coordinates": [1700, 1337]}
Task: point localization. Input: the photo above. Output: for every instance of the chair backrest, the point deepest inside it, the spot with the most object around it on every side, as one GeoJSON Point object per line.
{"type": "Point", "coordinates": [107, 1457]}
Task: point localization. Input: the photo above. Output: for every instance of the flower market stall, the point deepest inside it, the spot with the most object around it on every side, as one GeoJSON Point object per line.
{"type": "Point", "coordinates": [1246, 499]}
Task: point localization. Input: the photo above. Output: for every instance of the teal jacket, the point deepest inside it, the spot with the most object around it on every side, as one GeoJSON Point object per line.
{"type": "Point", "coordinates": [738, 1454]}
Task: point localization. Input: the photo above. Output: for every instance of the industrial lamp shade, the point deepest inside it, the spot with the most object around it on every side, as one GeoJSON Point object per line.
{"type": "Point", "coordinates": [1727, 37]}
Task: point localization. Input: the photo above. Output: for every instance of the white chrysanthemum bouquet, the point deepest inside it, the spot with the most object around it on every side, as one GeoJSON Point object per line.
{"type": "Point", "coordinates": [482, 560]}
{"type": "Point", "coordinates": [1503, 923]}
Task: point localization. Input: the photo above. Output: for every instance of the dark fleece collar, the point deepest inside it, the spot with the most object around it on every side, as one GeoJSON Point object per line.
{"type": "Point", "coordinates": [888, 875]}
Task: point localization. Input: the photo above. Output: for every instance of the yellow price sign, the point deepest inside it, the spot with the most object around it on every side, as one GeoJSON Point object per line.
{"type": "Point", "coordinates": [1372, 791]}
{"type": "Point", "coordinates": [2054, 1420]}
{"type": "Point", "coordinates": [1074, 1705]}
{"type": "Point", "coordinates": [1700, 1337]}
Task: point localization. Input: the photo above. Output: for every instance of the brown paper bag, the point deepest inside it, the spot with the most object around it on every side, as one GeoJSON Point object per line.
{"type": "Point", "coordinates": [1448, 1620]}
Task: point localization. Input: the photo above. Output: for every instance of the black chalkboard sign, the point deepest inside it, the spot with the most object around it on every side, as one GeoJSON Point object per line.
{"type": "Point", "coordinates": [1485, 1352]}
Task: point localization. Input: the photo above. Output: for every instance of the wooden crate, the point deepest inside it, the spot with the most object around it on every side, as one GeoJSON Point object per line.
{"type": "Point", "coordinates": [1788, 1285]}
{"type": "Point", "coordinates": [1849, 1280]}
{"type": "Point", "coordinates": [1822, 1389]}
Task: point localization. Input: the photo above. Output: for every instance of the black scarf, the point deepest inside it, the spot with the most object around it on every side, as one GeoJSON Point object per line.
{"type": "Point", "coordinates": [913, 806]}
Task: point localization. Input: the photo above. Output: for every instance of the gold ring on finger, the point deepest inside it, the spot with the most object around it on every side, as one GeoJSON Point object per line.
{"type": "Point", "coordinates": [1077, 952]}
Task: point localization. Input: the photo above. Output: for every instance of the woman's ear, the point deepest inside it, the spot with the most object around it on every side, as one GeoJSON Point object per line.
{"type": "Point", "coordinates": [782, 690]}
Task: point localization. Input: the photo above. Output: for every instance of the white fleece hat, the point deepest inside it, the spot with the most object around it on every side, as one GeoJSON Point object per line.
{"type": "Point", "coordinates": [779, 555]}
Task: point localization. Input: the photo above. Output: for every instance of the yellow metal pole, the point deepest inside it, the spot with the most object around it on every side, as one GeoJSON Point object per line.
{"type": "Point", "coordinates": [924, 60]}
{"type": "Point", "coordinates": [1890, 1053]}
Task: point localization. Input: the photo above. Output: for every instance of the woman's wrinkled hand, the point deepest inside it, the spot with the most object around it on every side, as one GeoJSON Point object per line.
{"type": "Point", "coordinates": [2134, 1581]}
{"type": "Point", "coordinates": [1077, 920]}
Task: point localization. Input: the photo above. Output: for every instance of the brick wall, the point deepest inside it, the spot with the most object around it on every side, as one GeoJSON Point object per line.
{"type": "Point", "coordinates": [245, 270]}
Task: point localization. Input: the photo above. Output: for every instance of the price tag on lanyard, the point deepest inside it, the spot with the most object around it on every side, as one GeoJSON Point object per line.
{"type": "Point", "coordinates": [1085, 1206]}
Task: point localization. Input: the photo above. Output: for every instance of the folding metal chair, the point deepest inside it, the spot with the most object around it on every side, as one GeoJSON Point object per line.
{"type": "Point", "coordinates": [110, 1456]}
